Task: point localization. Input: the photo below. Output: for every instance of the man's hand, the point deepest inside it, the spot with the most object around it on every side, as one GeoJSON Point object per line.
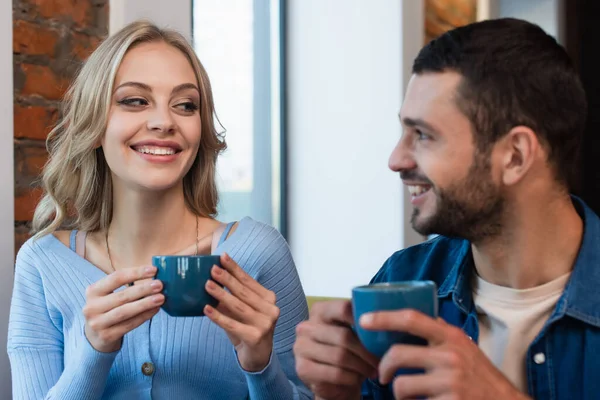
{"type": "Point", "coordinates": [329, 357]}
{"type": "Point", "coordinates": [454, 366]}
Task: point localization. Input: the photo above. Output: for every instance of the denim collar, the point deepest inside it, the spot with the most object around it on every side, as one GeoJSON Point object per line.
{"type": "Point", "coordinates": [580, 299]}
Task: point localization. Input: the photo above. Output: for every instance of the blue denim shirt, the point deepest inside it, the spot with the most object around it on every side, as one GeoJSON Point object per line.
{"type": "Point", "coordinates": [563, 362]}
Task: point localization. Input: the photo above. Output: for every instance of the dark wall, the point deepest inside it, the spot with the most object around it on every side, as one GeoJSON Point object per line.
{"type": "Point", "coordinates": [582, 40]}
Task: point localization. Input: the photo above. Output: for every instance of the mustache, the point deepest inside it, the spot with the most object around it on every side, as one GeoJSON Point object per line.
{"type": "Point", "coordinates": [413, 175]}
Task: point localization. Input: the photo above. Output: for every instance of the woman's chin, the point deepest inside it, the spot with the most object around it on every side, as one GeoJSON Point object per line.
{"type": "Point", "coordinates": [157, 186]}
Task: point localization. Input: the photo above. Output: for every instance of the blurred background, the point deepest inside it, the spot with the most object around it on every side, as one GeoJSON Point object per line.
{"type": "Point", "coordinates": [308, 93]}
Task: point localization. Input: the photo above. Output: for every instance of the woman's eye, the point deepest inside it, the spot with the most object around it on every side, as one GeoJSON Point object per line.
{"type": "Point", "coordinates": [187, 106]}
{"type": "Point", "coordinates": [134, 102]}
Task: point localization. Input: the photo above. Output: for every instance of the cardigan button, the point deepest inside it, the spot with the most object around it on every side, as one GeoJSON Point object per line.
{"type": "Point", "coordinates": [539, 358]}
{"type": "Point", "coordinates": [147, 368]}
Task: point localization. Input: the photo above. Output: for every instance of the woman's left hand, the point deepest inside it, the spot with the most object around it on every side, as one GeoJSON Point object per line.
{"type": "Point", "coordinates": [247, 313]}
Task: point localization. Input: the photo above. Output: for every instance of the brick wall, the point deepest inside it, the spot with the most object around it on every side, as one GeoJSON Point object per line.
{"type": "Point", "coordinates": [50, 39]}
{"type": "Point", "coordinates": [443, 15]}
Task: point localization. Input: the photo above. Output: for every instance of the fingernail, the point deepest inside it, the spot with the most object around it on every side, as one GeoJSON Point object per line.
{"type": "Point", "coordinates": [155, 284]}
{"type": "Point", "coordinates": [366, 319]}
{"type": "Point", "coordinates": [208, 310]}
{"type": "Point", "coordinates": [158, 298]}
{"type": "Point", "coordinates": [150, 270]}
{"type": "Point", "coordinates": [226, 257]}
{"type": "Point", "coordinates": [217, 270]}
{"type": "Point", "coordinates": [210, 284]}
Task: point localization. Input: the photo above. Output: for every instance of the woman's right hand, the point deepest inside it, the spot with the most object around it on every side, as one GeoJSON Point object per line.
{"type": "Point", "coordinates": [109, 315]}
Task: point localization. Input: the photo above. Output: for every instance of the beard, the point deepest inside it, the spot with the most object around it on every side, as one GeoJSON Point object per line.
{"type": "Point", "coordinates": [471, 209]}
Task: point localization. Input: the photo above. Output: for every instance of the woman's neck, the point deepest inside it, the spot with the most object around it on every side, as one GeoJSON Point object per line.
{"type": "Point", "coordinates": [146, 223]}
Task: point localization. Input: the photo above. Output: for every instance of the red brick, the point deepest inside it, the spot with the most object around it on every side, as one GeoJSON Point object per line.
{"type": "Point", "coordinates": [25, 204]}
{"type": "Point", "coordinates": [41, 80]}
{"type": "Point", "coordinates": [29, 162]}
{"type": "Point", "coordinates": [84, 45]}
{"type": "Point", "coordinates": [77, 10]}
{"type": "Point", "coordinates": [34, 122]}
{"type": "Point", "coordinates": [32, 39]}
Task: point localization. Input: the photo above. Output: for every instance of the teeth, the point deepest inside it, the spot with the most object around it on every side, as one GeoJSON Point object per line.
{"type": "Point", "coordinates": [157, 151]}
{"type": "Point", "coordinates": [416, 190]}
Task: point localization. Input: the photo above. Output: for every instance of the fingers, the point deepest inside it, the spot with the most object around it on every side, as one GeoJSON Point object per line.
{"type": "Point", "coordinates": [334, 356]}
{"type": "Point", "coordinates": [242, 291]}
{"type": "Point", "coordinates": [119, 278]}
{"type": "Point", "coordinates": [116, 332]}
{"type": "Point", "coordinates": [245, 280]}
{"type": "Point", "coordinates": [239, 306]}
{"type": "Point", "coordinates": [323, 355]}
{"type": "Point", "coordinates": [125, 312]}
{"type": "Point", "coordinates": [407, 356]}
{"type": "Point", "coordinates": [314, 372]}
{"type": "Point", "coordinates": [418, 386]}
{"type": "Point", "coordinates": [332, 312]}
{"type": "Point", "coordinates": [408, 321]}
{"type": "Point", "coordinates": [338, 336]}
{"type": "Point", "coordinates": [113, 300]}
{"type": "Point", "coordinates": [324, 391]}
{"type": "Point", "coordinates": [248, 334]}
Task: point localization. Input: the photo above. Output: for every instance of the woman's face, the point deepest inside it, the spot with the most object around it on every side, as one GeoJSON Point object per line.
{"type": "Point", "coordinates": [153, 131]}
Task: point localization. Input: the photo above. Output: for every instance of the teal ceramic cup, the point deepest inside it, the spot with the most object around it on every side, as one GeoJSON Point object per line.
{"type": "Point", "coordinates": [184, 279]}
{"type": "Point", "coordinates": [417, 295]}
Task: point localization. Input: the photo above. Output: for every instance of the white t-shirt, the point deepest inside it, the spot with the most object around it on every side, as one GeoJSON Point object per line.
{"type": "Point", "coordinates": [510, 319]}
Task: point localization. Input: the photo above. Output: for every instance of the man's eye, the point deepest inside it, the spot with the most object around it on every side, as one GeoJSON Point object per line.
{"type": "Point", "coordinates": [421, 135]}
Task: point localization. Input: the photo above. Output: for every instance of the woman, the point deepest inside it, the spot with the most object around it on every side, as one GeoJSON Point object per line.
{"type": "Point", "coordinates": [131, 175]}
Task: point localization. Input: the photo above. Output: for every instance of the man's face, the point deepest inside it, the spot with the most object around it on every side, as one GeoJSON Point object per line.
{"type": "Point", "coordinates": [450, 181]}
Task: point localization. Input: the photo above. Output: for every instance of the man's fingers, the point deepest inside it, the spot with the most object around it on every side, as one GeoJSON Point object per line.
{"type": "Point", "coordinates": [418, 386]}
{"type": "Point", "coordinates": [407, 356]}
{"type": "Point", "coordinates": [408, 321]}
{"type": "Point", "coordinates": [334, 356]}
{"type": "Point", "coordinates": [310, 371]}
{"type": "Point", "coordinates": [332, 312]}
{"type": "Point", "coordinates": [338, 336]}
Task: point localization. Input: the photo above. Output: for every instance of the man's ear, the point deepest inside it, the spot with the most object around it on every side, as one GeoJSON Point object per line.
{"type": "Point", "coordinates": [519, 149]}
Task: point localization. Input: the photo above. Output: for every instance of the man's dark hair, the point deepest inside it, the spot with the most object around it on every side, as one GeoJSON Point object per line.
{"type": "Point", "coordinates": [514, 74]}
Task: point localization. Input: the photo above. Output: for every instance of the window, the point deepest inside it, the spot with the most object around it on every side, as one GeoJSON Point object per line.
{"type": "Point", "coordinates": [239, 43]}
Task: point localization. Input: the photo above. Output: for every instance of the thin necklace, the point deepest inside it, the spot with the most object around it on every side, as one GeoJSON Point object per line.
{"type": "Point", "coordinates": [196, 253]}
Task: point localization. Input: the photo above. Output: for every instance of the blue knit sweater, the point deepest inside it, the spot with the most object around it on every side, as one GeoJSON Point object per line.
{"type": "Point", "coordinates": [191, 358]}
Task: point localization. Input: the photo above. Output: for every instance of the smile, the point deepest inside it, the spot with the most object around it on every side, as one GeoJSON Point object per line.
{"type": "Point", "coordinates": [155, 150]}
{"type": "Point", "coordinates": [418, 190]}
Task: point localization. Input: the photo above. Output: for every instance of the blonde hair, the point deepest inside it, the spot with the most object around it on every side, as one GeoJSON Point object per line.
{"type": "Point", "coordinates": [76, 180]}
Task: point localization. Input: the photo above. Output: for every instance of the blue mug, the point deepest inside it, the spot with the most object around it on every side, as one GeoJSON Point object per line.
{"type": "Point", "coordinates": [184, 279]}
{"type": "Point", "coordinates": [417, 295]}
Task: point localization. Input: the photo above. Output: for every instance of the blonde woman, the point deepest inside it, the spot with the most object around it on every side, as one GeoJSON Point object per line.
{"type": "Point", "coordinates": [131, 175]}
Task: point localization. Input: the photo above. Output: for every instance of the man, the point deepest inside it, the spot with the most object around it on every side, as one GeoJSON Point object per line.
{"type": "Point", "coordinates": [493, 118]}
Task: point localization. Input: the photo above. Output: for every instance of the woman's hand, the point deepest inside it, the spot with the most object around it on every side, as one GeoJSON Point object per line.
{"type": "Point", "coordinates": [109, 315]}
{"type": "Point", "coordinates": [248, 313]}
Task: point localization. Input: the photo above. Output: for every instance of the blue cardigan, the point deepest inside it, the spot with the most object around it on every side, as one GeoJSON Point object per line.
{"type": "Point", "coordinates": [189, 358]}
